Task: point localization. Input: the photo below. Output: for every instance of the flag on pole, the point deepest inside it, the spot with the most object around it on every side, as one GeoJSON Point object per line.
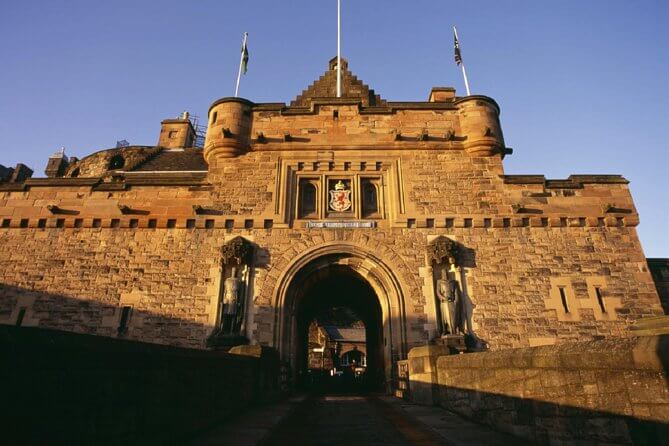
{"type": "Point", "coordinates": [456, 46]}
{"type": "Point", "coordinates": [243, 62]}
{"type": "Point", "coordinates": [458, 59]}
{"type": "Point", "coordinates": [245, 57]}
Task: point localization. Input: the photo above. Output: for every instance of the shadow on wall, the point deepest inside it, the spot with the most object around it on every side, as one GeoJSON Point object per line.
{"type": "Point", "coordinates": [600, 392]}
{"type": "Point", "coordinates": [25, 307]}
{"type": "Point", "coordinates": [68, 388]}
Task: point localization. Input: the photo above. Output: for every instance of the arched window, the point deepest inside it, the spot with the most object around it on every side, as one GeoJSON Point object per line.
{"type": "Point", "coordinates": [370, 199]}
{"type": "Point", "coordinates": [116, 162]}
{"type": "Point", "coordinates": [308, 199]}
{"type": "Point", "coordinates": [75, 173]}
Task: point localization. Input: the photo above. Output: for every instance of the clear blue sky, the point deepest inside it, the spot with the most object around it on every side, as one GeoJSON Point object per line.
{"type": "Point", "coordinates": [582, 84]}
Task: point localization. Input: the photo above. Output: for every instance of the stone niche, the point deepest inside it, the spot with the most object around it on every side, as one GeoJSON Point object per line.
{"type": "Point", "coordinates": [453, 305]}
{"type": "Point", "coordinates": [237, 260]}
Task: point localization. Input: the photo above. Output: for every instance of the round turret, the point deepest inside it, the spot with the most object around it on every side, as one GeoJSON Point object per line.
{"type": "Point", "coordinates": [479, 123]}
{"type": "Point", "coordinates": [229, 128]}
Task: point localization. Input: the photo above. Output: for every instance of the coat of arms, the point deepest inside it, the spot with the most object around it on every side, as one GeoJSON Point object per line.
{"type": "Point", "coordinates": [340, 198]}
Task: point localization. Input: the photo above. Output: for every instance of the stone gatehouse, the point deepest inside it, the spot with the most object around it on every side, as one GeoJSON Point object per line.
{"type": "Point", "coordinates": [378, 205]}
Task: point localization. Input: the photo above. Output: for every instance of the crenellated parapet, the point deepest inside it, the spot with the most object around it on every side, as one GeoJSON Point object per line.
{"type": "Point", "coordinates": [360, 119]}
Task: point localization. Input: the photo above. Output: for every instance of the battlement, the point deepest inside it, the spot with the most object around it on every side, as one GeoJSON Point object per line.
{"type": "Point", "coordinates": [359, 119]}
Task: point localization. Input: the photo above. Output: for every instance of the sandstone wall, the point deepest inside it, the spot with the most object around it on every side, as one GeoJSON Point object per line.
{"type": "Point", "coordinates": [75, 266]}
{"type": "Point", "coordinates": [612, 391]}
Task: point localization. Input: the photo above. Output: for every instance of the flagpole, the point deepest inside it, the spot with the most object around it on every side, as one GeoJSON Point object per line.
{"type": "Point", "coordinates": [462, 64]}
{"type": "Point", "coordinates": [338, 48]}
{"type": "Point", "coordinates": [241, 61]}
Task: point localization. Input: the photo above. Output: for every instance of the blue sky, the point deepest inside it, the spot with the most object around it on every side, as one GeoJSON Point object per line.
{"type": "Point", "coordinates": [581, 84]}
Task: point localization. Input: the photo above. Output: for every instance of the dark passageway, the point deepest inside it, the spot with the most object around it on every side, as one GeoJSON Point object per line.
{"type": "Point", "coordinates": [339, 296]}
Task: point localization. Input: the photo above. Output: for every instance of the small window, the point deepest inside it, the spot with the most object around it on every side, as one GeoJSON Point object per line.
{"type": "Point", "coordinates": [190, 223]}
{"type": "Point", "coordinates": [21, 316]}
{"type": "Point", "coordinates": [97, 223]}
{"type": "Point", "coordinates": [563, 298]}
{"type": "Point", "coordinates": [6, 222]}
{"type": "Point", "coordinates": [308, 206]}
{"type": "Point", "coordinates": [116, 162]}
{"type": "Point", "coordinates": [24, 223]}
{"type": "Point", "coordinates": [173, 134]}
{"type": "Point", "coordinates": [124, 320]}
{"type": "Point", "coordinates": [171, 223]}
{"type": "Point", "coordinates": [600, 299]}
{"type": "Point", "coordinates": [60, 223]}
{"type": "Point", "coordinates": [370, 199]}
{"type": "Point", "coordinates": [209, 224]}
{"type": "Point", "coordinates": [152, 223]}
{"type": "Point", "coordinates": [214, 117]}
{"type": "Point", "coordinates": [134, 222]}
{"type": "Point", "coordinates": [78, 222]}
{"type": "Point", "coordinates": [115, 223]}
{"type": "Point", "coordinates": [41, 223]}
{"type": "Point", "coordinates": [75, 173]}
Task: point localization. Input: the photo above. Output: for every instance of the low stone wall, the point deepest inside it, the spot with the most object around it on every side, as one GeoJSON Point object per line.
{"type": "Point", "coordinates": [610, 391]}
{"type": "Point", "coordinates": [65, 388]}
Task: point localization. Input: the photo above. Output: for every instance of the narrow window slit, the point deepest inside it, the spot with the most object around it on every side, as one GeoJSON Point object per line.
{"type": "Point", "coordinates": [563, 298]}
{"type": "Point", "coordinates": [124, 320]}
{"type": "Point", "coordinates": [600, 299]}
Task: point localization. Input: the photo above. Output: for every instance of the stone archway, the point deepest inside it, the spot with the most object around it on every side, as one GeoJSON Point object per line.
{"type": "Point", "coordinates": [353, 263]}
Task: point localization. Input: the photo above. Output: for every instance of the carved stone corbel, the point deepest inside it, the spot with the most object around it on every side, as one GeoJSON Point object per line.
{"type": "Point", "coordinates": [237, 251]}
{"type": "Point", "coordinates": [444, 250]}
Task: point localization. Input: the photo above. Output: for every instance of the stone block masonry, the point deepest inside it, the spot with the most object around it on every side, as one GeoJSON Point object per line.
{"type": "Point", "coordinates": [597, 392]}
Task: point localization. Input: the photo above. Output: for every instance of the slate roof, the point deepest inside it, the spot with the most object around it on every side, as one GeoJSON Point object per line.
{"type": "Point", "coordinates": [345, 334]}
{"type": "Point", "coordinates": [171, 160]}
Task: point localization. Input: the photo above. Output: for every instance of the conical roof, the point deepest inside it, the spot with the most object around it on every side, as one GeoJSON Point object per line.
{"type": "Point", "coordinates": [326, 87]}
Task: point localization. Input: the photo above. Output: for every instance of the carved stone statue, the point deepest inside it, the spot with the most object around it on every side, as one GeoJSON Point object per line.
{"type": "Point", "coordinates": [451, 305]}
{"type": "Point", "coordinates": [231, 296]}
{"type": "Point", "coordinates": [444, 307]}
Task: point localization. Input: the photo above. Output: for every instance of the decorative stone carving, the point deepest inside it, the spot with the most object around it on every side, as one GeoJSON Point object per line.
{"type": "Point", "coordinates": [444, 250]}
{"type": "Point", "coordinates": [231, 299]}
{"type": "Point", "coordinates": [237, 251]}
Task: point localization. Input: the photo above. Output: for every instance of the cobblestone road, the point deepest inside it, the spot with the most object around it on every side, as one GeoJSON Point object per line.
{"type": "Point", "coordinates": [350, 420]}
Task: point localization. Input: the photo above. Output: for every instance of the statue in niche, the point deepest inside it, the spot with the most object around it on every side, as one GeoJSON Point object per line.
{"type": "Point", "coordinates": [455, 306]}
{"type": "Point", "coordinates": [231, 298]}
{"type": "Point", "coordinates": [450, 304]}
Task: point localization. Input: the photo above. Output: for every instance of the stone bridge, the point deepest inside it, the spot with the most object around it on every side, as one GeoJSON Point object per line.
{"type": "Point", "coordinates": [67, 388]}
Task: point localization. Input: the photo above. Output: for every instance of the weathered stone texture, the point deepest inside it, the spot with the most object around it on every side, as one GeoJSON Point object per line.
{"type": "Point", "coordinates": [612, 391]}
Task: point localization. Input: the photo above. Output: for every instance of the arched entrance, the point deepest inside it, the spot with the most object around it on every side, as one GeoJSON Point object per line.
{"type": "Point", "coordinates": [339, 287]}
{"type": "Point", "coordinates": [341, 275]}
